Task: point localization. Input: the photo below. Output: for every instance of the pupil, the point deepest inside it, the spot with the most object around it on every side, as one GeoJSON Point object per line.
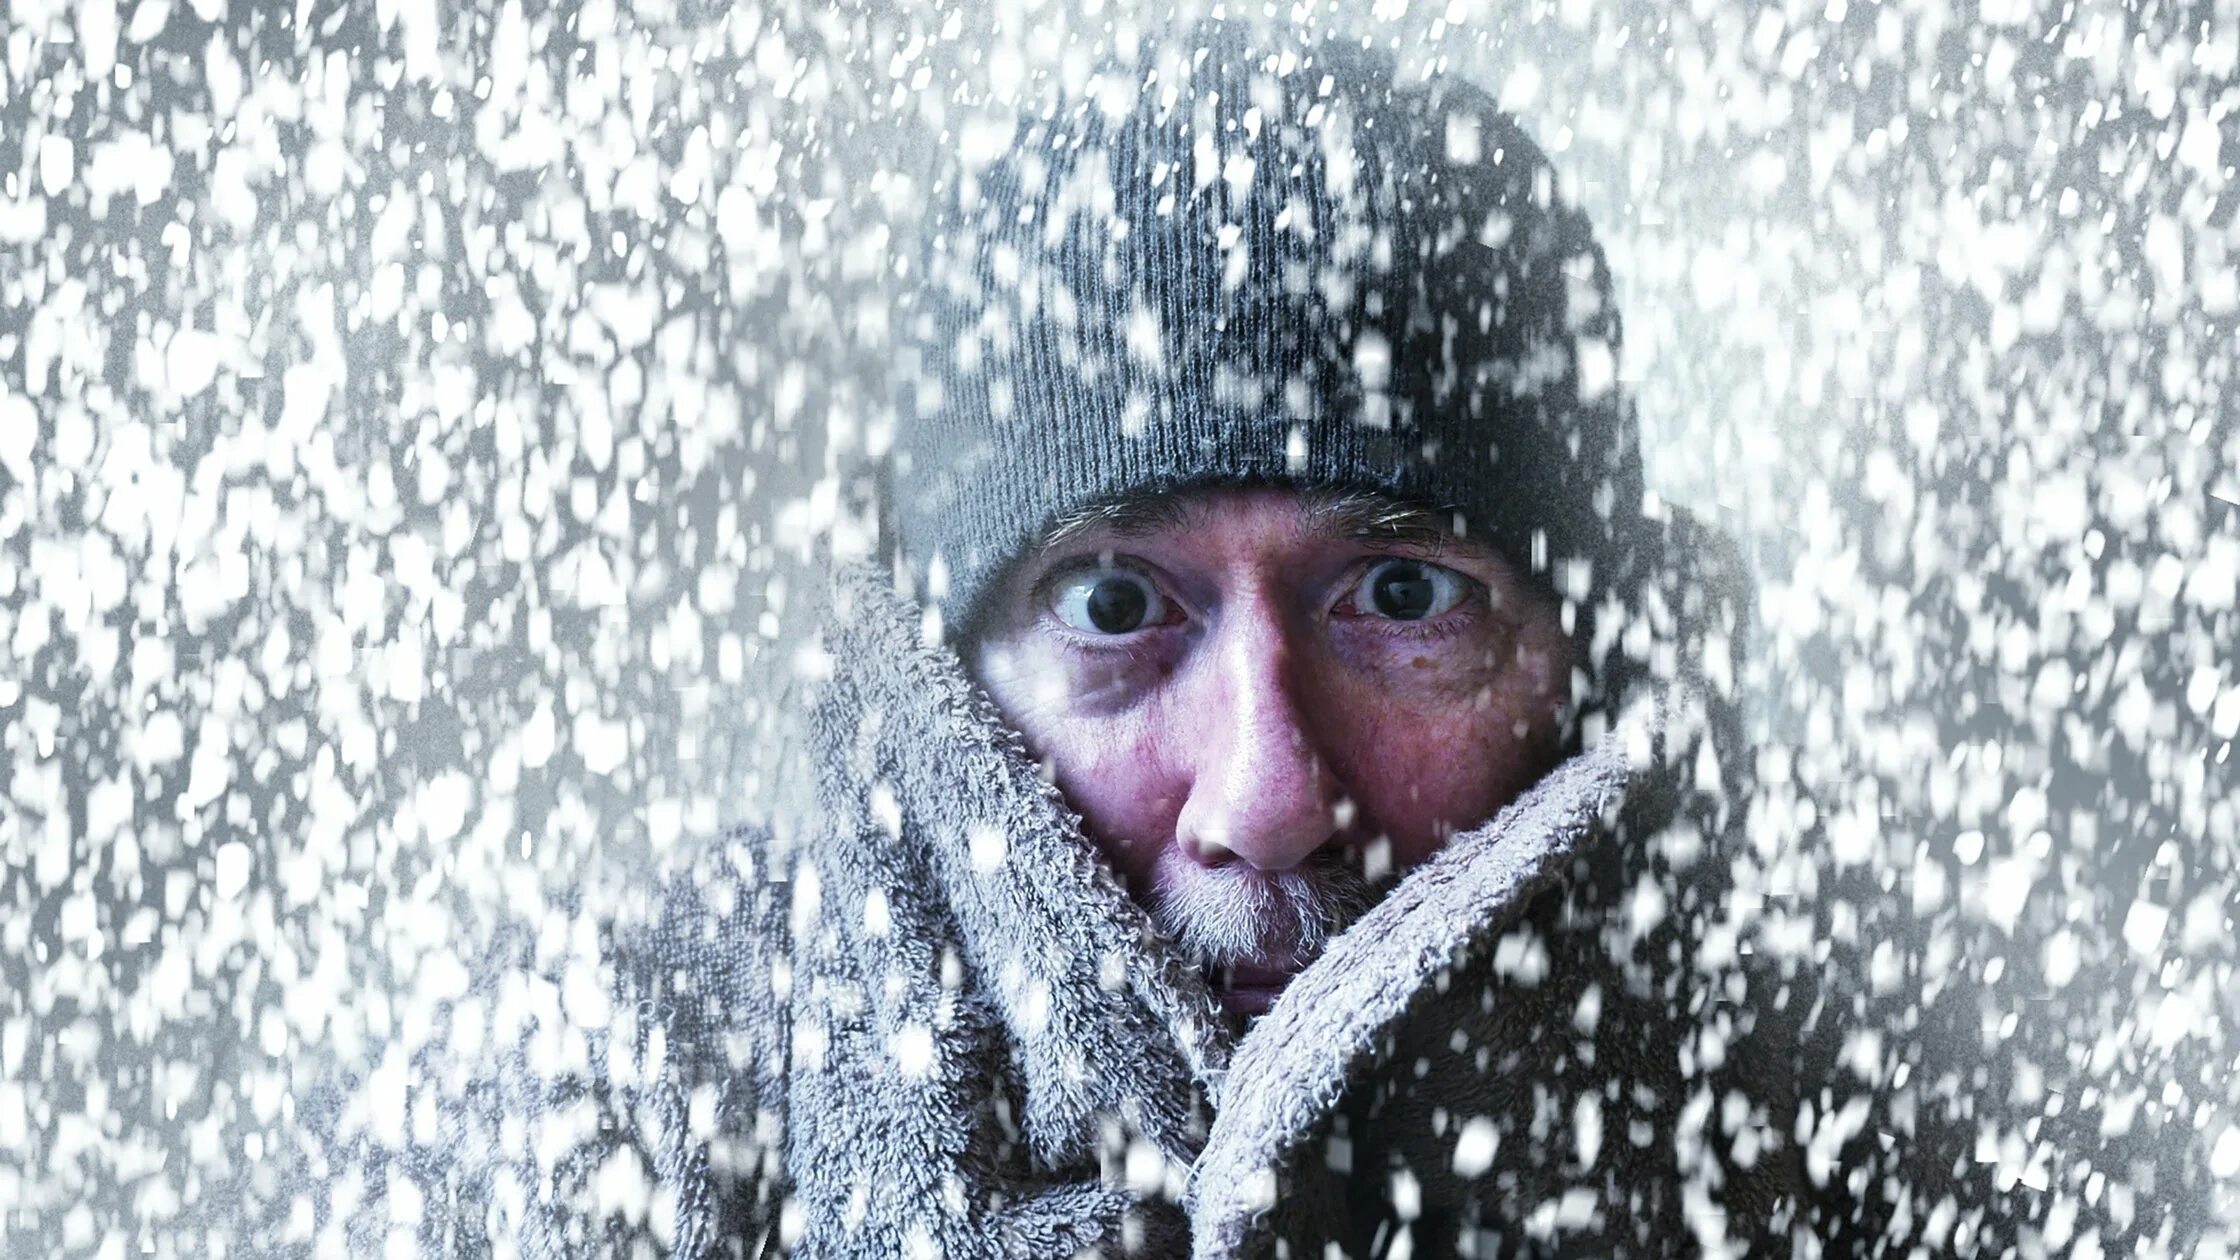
{"type": "Point", "coordinates": [1116, 607]}
{"type": "Point", "coordinates": [1402, 591]}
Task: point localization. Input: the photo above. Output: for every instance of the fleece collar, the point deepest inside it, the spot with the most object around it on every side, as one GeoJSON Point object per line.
{"type": "Point", "coordinates": [1042, 914]}
{"type": "Point", "coordinates": [1102, 1016]}
{"type": "Point", "coordinates": [1335, 1023]}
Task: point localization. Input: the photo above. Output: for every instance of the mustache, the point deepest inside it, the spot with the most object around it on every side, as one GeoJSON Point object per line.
{"type": "Point", "coordinates": [1236, 915]}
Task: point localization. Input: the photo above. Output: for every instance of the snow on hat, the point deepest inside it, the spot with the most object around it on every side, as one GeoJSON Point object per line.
{"type": "Point", "coordinates": [1244, 258]}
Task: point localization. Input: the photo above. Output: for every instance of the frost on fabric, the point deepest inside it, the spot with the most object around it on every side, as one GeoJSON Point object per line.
{"type": "Point", "coordinates": [414, 417]}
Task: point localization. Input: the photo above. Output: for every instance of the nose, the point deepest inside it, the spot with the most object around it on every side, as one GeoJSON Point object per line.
{"type": "Point", "coordinates": [1260, 791]}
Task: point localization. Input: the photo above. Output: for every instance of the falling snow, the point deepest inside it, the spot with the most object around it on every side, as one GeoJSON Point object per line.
{"type": "Point", "coordinates": [420, 426]}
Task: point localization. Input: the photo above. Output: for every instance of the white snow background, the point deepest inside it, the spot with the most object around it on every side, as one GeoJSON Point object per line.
{"type": "Point", "coordinates": [412, 415]}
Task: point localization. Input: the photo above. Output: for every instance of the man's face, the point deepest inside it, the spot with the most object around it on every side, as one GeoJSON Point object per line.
{"type": "Point", "coordinates": [1264, 703]}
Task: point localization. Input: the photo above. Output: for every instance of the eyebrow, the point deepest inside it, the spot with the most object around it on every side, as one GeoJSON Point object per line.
{"type": "Point", "coordinates": [1362, 516]}
{"type": "Point", "coordinates": [1131, 517]}
{"type": "Point", "coordinates": [1369, 517]}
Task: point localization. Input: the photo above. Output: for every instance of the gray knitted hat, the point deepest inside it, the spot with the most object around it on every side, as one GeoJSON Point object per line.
{"type": "Point", "coordinates": [1242, 258]}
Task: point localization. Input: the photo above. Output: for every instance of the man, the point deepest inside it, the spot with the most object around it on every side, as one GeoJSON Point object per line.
{"type": "Point", "coordinates": [1268, 802]}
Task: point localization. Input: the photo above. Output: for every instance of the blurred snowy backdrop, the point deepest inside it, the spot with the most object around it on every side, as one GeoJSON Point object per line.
{"type": "Point", "coordinates": [412, 417]}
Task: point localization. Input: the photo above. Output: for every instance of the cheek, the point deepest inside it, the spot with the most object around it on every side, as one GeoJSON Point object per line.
{"type": "Point", "coordinates": [1113, 773]}
{"type": "Point", "coordinates": [1426, 761]}
{"type": "Point", "coordinates": [1101, 726]}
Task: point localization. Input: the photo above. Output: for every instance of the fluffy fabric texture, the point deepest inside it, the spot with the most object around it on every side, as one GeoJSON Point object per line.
{"type": "Point", "coordinates": [1484, 1042]}
{"type": "Point", "coordinates": [925, 1019]}
{"type": "Point", "coordinates": [1340, 1015]}
{"type": "Point", "coordinates": [1274, 262]}
{"type": "Point", "coordinates": [1061, 1010]}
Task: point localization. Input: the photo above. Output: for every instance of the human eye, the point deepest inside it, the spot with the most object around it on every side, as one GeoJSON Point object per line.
{"type": "Point", "coordinates": [1403, 589]}
{"type": "Point", "coordinates": [1108, 601]}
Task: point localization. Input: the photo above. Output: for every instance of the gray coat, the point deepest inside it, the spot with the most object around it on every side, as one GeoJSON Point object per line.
{"type": "Point", "coordinates": [921, 1017]}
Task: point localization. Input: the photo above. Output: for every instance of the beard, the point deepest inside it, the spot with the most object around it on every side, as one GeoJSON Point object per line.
{"type": "Point", "coordinates": [1235, 915]}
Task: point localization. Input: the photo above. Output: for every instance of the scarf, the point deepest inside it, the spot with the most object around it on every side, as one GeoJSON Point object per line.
{"type": "Point", "coordinates": [923, 1017]}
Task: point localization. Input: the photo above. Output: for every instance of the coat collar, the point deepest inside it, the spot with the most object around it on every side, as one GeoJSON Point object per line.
{"type": "Point", "coordinates": [1102, 1016]}
{"type": "Point", "coordinates": [914, 747]}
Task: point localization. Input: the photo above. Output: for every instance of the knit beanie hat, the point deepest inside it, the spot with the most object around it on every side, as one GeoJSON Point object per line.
{"type": "Point", "coordinates": [1243, 258]}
